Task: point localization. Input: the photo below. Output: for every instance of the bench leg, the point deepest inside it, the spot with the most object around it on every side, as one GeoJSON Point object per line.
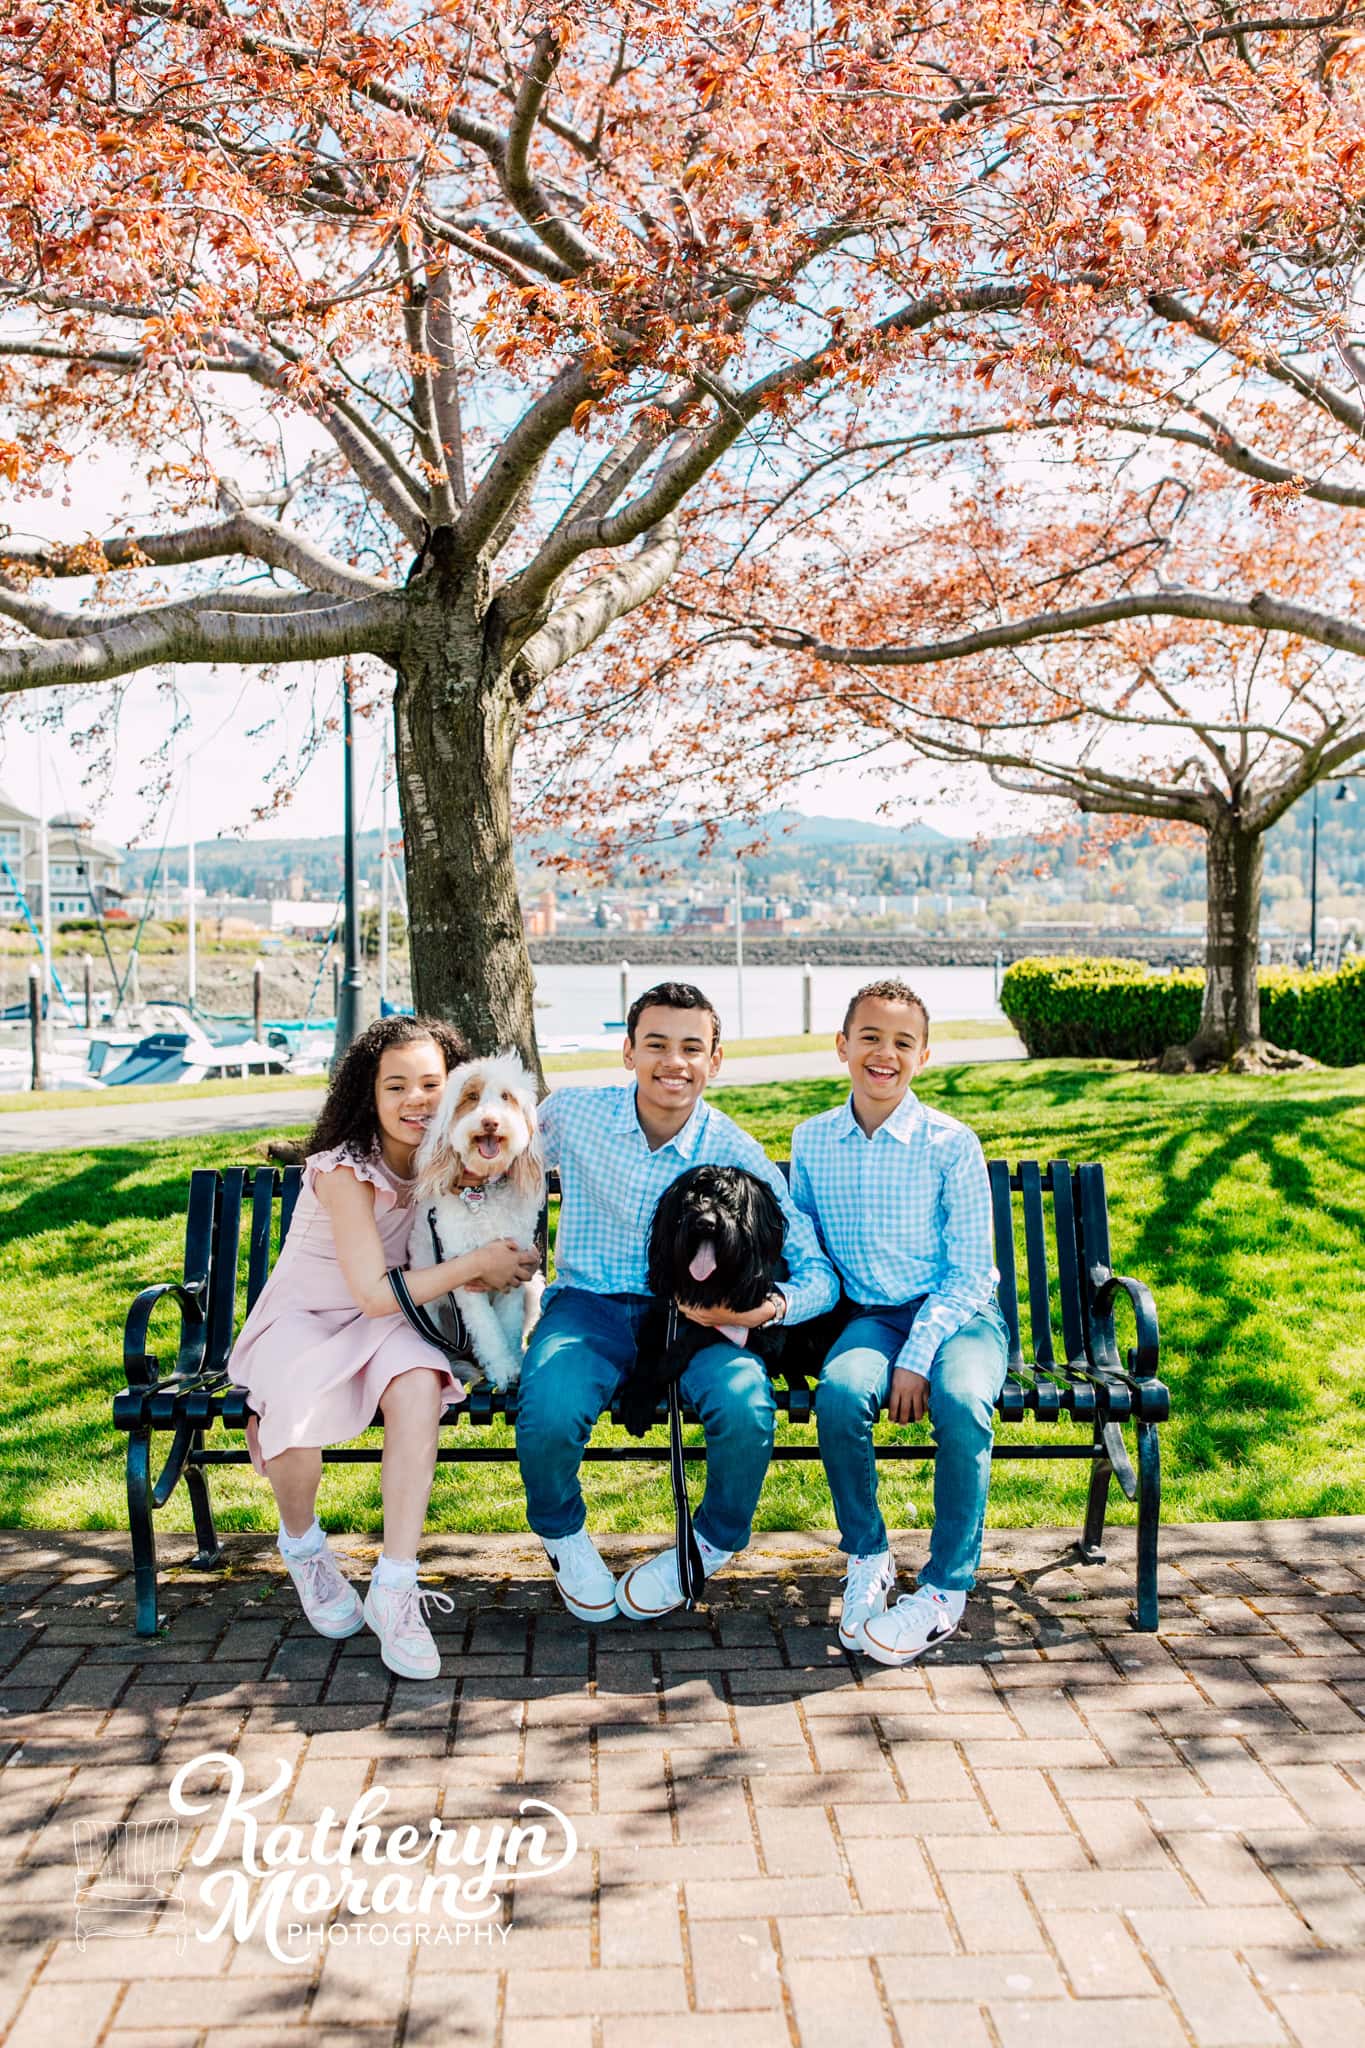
{"type": "Point", "coordinates": [1147, 1617]}
{"type": "Point", "coordinates": [1091, 1545]}
{"type": "Point", "coordinates": [210, 1551]}
{"type": "Point", "coordinates": [141, 1530]}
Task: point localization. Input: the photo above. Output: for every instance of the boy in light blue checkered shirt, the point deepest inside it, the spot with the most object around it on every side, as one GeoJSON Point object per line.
{"type": "Point", "coordinates": [900, 1199]}
{"type": "Point", "coordinates": [617, 1149]}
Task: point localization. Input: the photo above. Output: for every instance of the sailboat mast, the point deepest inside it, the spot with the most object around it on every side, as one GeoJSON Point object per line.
{"type": "Point", "coordinates": [45, 878]}
{"type": "Point", "coordinates": [384, 877]}
{"type": "Point", "coordinates": [192, 957]}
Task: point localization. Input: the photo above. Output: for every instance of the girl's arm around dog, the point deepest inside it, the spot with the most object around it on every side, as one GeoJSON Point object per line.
{"type": "Point", "coordinates": [349, 1203]}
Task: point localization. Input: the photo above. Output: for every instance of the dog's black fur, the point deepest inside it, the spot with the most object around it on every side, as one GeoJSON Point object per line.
{"type": "Point", "coordinates": [742, 1218]}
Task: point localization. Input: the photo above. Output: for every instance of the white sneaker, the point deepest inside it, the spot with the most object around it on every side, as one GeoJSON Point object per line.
{"type": "Point", "coordinates": [326, 1595]}
{"type": "Point", "coordinates": [915, 1624]}
{"type": "Point", "coordinates": [867, 1582]}
{"type": "Point", "coordinates": [406, 1644]}
{"type": "Point", "coordinates": [651, 1589]}
{"type": "Point", "coordinates": [585, 1585]}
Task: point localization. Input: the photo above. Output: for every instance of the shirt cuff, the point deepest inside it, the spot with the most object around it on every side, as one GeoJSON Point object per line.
{"type": "Point", "coordinates": [806, 1299]}
{"type": "Point", "coordinates": [917, 1352]}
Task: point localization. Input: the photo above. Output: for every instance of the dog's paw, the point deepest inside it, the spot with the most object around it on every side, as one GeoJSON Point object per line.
{"type": "Point", "coordinates": [502, 1373]}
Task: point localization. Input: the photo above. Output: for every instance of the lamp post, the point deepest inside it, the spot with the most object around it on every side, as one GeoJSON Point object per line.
{"type": "Point", "coordinates": [1343, 794]}
{"type": "Point", "coordinates": [349, 992]}
{"type": "Point", "coordinates": [739, 939]}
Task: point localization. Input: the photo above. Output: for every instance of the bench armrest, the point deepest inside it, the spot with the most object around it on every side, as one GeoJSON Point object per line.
{"type": "Point", "coordinates": [140, 1367]}
{"type": "Point", "coordinates": [1144, 1359]}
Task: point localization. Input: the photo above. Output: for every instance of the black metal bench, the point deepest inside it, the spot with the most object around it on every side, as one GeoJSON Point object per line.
{"type": "Point", "coordinates": [1072, 1368]}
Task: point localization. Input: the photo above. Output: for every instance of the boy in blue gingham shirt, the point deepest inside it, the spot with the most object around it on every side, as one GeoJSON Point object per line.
{"type": "Point", "coordinates": [900, 1199]}
{"type": "Point", "coordinates": [617, 1149]}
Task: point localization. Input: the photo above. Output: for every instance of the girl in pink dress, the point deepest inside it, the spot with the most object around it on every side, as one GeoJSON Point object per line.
{"type": "Point", "coordinates": [325, 1348]}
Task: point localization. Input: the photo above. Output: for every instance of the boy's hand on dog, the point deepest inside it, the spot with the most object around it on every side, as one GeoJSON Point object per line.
{"type": "Point", "coordinates": [718, 1318]}
{"type": "Point", "coordinates": [503, 1264]}
{"type": "Point", "coordinates": [908, 1400]}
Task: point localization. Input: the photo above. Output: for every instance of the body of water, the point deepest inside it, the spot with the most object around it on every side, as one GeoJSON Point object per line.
{"type": "Point", "coordinates": [581, 1002]}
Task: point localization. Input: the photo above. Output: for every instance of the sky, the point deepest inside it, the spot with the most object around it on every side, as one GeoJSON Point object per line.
{"type": "Point", "coordinates": [227, 771]}
{"type": "Point", "coordinates": [237, 728]}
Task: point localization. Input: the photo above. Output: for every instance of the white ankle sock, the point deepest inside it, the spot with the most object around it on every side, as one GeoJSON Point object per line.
{"type": "Point", "coordinates": [956, 1602]}
{"type": "Point", "coordinates": [394, 1571]}
{"type": "Point", "coordinates": [296, 1547]}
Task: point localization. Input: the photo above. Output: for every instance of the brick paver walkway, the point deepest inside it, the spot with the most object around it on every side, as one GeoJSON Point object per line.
{"type": "Point", "coordinates": [1056, 1832]}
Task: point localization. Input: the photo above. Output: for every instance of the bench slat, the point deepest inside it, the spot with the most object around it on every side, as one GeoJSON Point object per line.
{"type": "Point", "coordinates": [1068, 1261]}
{"type": "Point", "coordinates": [223, 1278]}
{"type": "Point", "coordinates": [1002, 1212]}
{"type": "Point", "coordinates": [1095, 1236]}
{"type": "Point", "coordinates": [263, 1190]}
{"type": "Point", "coordinates": [1035, 1252]}
{"type": "Point", "coordinates": [289, 1195]}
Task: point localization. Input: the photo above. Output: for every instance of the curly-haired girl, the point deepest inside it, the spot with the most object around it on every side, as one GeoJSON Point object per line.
{"type": "Point", "coordinates": [325, 1346]}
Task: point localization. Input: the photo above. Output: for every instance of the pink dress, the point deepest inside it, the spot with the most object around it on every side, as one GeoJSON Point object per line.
{"type": "Point", "coordinates": [313, 1366]}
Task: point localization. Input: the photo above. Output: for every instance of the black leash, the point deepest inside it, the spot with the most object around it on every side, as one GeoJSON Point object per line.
{"type": "Point", "coordinates": [691, 1573]}
{"type": "Point", "coordinates": [425, 1324]}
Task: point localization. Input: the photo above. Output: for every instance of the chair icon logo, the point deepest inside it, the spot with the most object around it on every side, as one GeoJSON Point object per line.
{"type": "Point", "coordinates": [126, 1874]}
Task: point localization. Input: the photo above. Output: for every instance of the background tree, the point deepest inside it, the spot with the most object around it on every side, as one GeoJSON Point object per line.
{"type": "Point", "coordinates": [1123, 576]}
{"type": "Point", "coordinates": [513, 300]}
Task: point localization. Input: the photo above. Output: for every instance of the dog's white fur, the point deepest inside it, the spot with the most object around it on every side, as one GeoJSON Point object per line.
{"type": "Point", "coordinates": [491, 1103]}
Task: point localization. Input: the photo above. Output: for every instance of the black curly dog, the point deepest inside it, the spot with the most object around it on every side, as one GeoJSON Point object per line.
{"type": "Point", "coordinates": [741, 1219]}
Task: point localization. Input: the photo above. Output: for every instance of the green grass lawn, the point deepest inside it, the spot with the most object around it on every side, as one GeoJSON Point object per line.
{"type": "Point", "coordinates": [1239, 1201]}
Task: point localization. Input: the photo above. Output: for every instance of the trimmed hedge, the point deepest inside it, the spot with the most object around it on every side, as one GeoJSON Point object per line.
{"type": "Point", "coordinates": [1120, 1009]}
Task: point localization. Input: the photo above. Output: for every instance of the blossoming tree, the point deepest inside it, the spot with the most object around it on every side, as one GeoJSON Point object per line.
{"type": "Point", "coordinates": [451, 338]}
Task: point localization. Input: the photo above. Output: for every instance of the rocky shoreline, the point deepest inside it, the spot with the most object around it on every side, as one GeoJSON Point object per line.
{"type": "Point", "coordinates": [661, 949]}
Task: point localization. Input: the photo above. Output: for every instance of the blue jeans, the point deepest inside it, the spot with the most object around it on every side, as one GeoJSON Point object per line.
{"type": "Point", "coordinates": [580, 1351]}
{"type": "Point", "coordinates": [964, 1380]}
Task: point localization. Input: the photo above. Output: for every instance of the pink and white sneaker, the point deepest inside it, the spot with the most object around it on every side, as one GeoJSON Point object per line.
{"type": "Point", "coordinates": [326, 1595]}
{"type": "Point", "coordinates": [406, 1644]}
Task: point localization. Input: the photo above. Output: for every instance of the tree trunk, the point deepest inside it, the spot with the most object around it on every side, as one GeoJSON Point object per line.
{"type": "Point", "coordinates": [457, 720]}
{"type": "Point", "coordinates": [1230, 1021]}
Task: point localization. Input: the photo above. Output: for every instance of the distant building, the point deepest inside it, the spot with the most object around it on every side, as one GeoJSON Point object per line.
{"type": "Point", "coordinates": [541, 919]}
{"type": "Point", "coordinates": [292, 914]}
{"type": "Point", "coordinates": [84, 872]}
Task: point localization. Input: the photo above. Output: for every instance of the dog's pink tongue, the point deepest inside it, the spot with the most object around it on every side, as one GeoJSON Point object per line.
{"type": "Point", "coordinates": [702, 1267]}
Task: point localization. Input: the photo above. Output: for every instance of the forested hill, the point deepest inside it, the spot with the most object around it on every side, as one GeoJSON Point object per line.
{"type": "Point", "coordinates": [819, 854]}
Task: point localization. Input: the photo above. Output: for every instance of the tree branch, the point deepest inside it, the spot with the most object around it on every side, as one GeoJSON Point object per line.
{"type": "Point", "coordinates": [243, 532]}
{"type": "Point", "coordinates": [422, 395]}
{"type": "Point", "coordinates": [1221, 443]}
{"type": "Point", "coordinates": [1341, 408]}
{"type": "Point", "coordinates": [516, 463]}
{"type": "Point", "coordinates": [1262, 613]}
{"type": "Point", "coordinates": [698, 452]}
{"type": "Point", "coordinates": [45, 622]}
{"type": "Point", "coordinates": [523, 189]}
{"type": "Point", "coordinates": [577, 624]}
{"type": "Point", "coordinates": [370, 625]}
{"type": "Point", "coordinates": [379, 469]}
{"type": "Point", "coordinates": [521, 261]}
{"type": "Point", "coordinates": [445, 384]}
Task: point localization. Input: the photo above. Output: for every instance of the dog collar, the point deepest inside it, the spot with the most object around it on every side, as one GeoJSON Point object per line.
{"type": "Point", "coordinates": [472, 1195]}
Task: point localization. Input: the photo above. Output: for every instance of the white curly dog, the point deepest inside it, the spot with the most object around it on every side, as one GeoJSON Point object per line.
{"type": "Point", "coordinates": [479, 1177]}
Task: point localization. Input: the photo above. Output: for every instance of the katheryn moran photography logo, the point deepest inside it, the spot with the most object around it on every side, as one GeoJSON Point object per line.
{"type": "Point", "coordinates": [407, 1885]}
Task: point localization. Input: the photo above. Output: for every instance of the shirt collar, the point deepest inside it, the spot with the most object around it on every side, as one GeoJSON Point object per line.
{"type": "Point", "coordinates": [685, 1142]}
{"type": "Point", "coordinates": [900, 1124]}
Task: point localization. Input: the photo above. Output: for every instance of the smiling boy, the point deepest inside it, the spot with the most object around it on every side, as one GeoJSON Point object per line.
{"type": "Point", "coordinates": [617, 1149]}
{"type": "Point", "coordinates": [900, 1200]}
